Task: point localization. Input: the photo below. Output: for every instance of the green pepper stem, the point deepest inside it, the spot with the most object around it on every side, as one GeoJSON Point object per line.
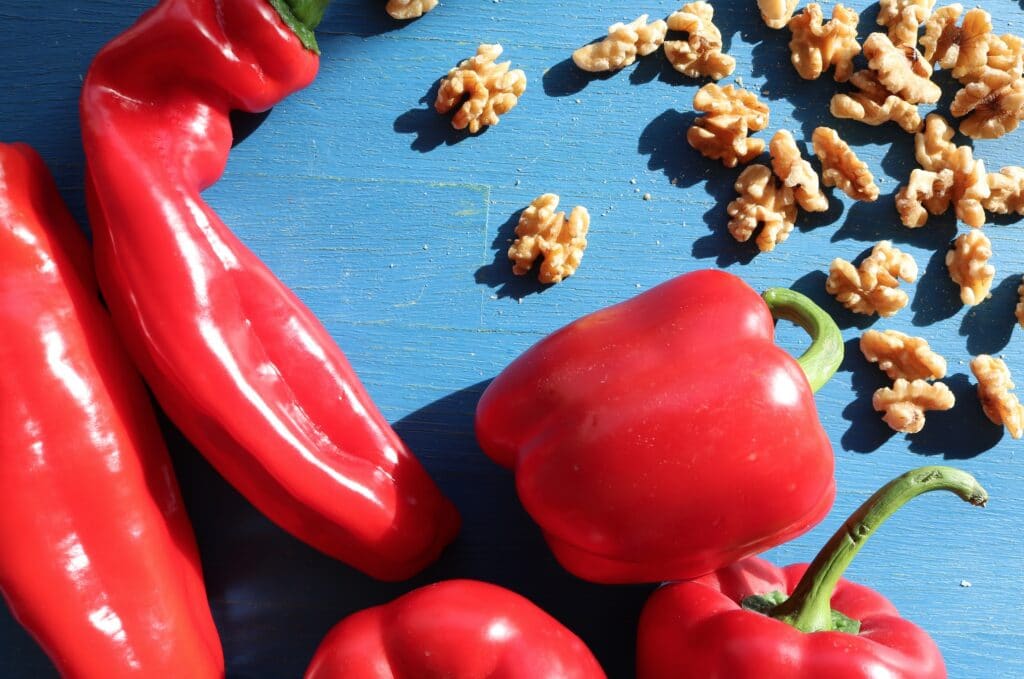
{"type": "Point", "coordinates": [809, 607]}
{"type": "Point", "coordinates": [302, 16]}
{"type": "Point", "coordinates": [822, 358]}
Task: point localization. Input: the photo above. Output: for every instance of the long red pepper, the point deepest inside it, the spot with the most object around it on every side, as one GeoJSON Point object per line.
{"type": "Point", "coordinates": [238, 362]}
{"type": "Point", "coordinates": [97, 557]}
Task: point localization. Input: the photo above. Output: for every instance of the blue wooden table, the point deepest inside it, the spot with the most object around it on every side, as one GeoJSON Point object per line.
{"type": "Point", "coordinates": [393, 227]}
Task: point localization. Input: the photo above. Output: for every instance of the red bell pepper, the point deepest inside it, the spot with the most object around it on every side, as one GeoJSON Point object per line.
{"type": "Point", "coordinates": [753, 620]}
{"type": "Point", "coordinates": [459, 629]}
{"type": "Point", "coordinates": [666, 436]}
{"type": "Point", "coordinates": [97, 557]}
{"type": "Point", "coordinates": [242, 367]}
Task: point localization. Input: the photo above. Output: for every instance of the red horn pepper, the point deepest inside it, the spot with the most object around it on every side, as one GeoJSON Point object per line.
{"type": "Point", "coordinates": [97, 557]}
{"type": "Point", "coordinates": [242, 367]}
{"type": "Point", "coordinates": [752, 620]}
{"type": "Point", "coordinates": [666, 436]}
{"type": "Point", "coordinates": [458, 629]}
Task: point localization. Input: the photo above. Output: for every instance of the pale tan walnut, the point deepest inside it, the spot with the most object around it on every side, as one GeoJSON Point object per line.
{"type": "Point", "coordinates": [1006, 191]}
{"type": "Point", "coordinates": [817, 46]}
{"type": "Point", "coordinates": [902, 356]}
{"type": "Point", "coordinates": [961, 49]}
{"type": "Point", "coordinates": [968, 266]}
{"type": "Point", "coordinates": [723, 132]}
{"type": "Point", "coordinates": [926, 192]}
{"type": "Point", "coordinates": [873, 287]}
{"type": "Point", "coordinates": [409, 9]}
{"type": "Point", "coordinates": [1020, 304]}
{"type": "Point", "coordinates": [992, 107]}
{"type": "Point", "coordinates": [841, 168]}
{"type": "Point", "coordinates": [903, 18]}
{"type": "Point", "coordinates": [700, 55]}
{"type": "Point", "coordinates": [480, 89]}
{"type": "Point", "coordinates": [995, 389]}
{"type": "Point", "coordinates": [542, 232]}
{"type": "Point", "coordinates": [622, 46]}
{"type": "Point", "coordinates": [905, 403]}
{"type": "Point", "coordinates": [933, 145]}
{"type": "Point", "coordinates": [776, 13]}
{"type": "Point", "coordinates": [796, 172]}
{"type": "Point", "coordinates": [1005, 55]}
{"type": "Point", "coordinates": [874, 105]}
{"type": "Point", "coordinates": [762, 200]}
{"type": "Point", "coordinates": [901, 70]}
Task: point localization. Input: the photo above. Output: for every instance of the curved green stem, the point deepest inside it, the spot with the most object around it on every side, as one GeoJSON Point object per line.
{"type": "Point", "coordinates": [809, 607]}
{"type": "Point", "coordinates": [302, 16]}
{"type": "Point", "coordinates": [822, 358]}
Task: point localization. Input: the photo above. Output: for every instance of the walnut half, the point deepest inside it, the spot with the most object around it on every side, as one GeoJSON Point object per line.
{"type": "Point", "coordinates": [905, 403]}
{"type": "Point", "coordinates": [730, 114]}
{"type": "Point", "coordinates": [409, 9]}
{"type": "Point", "coordinates": [969, 268]}
{"type": "Point", "coordinates": [903, 18]}
{"type": "Point", "coordinates": [480, 89]}
{"type": "Point", "coordinates": [817, 46]}
{"type": "Point", "coordinates": [873, 287]}
{"type": "Point", "coordinates": [776, 13]}
{"type": "Point", "coordinates": [542, 232]}
{"type": "Point", "coordinates": [872, 104]}
{"type": "Point", "coordinates": [840, 166]}
{"type": "Point", "coordinates": [622, 46]}
{"type": "Point", "coordinates": [902, 70]}
{"type": "Point", "coordinates": [901, 356]}
{"type": "Point", "coordinates": [762, 200]}
{"type": "Point", "coordinates": [700, 55]}
{"type": "Point", "coordinates": [796, 173]}
{"type": "Point", "coordinates": [1006, 191]}
{"type": "Point", "coordinates": [995, 389]}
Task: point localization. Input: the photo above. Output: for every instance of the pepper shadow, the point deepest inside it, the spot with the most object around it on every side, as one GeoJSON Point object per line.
{"type": "Point", "coordinates": [431, 128]}
{"type": "Point", "coordinates": [960, 433]}
{"type": "Point", "coordinates": [812, 284]}
{"type": "Point", "coordinates": [867, 431]}
{"type": "Point", "coordinates": [244, 123]}
{"type": "Point", "coordinates": [936, 297]}
{"type": "Point", "coordinates": [498, 273]}
{"type": "Point", "coordinates": [989, 325]}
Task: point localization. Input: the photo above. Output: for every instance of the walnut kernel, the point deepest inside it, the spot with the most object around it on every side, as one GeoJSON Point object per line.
{"type": "Point", "coordinates": [840, 166]}
{"type": "Point", "coordinates": [622, 46]}
{"type": "Point", "coordinates": [901, 70]}
{"type": "Point", "coordinates": [925, 192]}
{"type": "Point", "coordinates": [995, 389]}
{"type": "Point", "coordinates": [905, 403]}
{"type": "Point", "coordinates": [762, 200]}
{"type": "Point", "coordinates": [1006, 191]}
{"type": "Point", "coordinates": [968, 266]}
{"type": "Point", "coordinates": [701, 53]}
{"type": "Point", "coordinates": [730, 115]}
{"type": "Point", "coordinates": [409, 9]}
{"type": "Point", "coordinates": [874, 105]}
{"type": "Point", "coordinates": [480, 89]}
{"type": "Point", "coordinates": [903, 18]}
{"type": "Point", "coordinates": [796, 173]}
{"type": "Point", "coordinates": [993, 106]}
{"type": "Point", "coordinates": [961, 49]}
{"type": "Point", "coordinates": [873, 287]}
{"type": "Point", "coordinates": [902, 356]}
{"type": "Point", "coordinates": [1020, 304]}
{"type": "Point", "coordinates": [776, 13]}
{"type": "Point", "coordinates": [816, 47]}
{"type": "Point", "coordinates": [542, 232]}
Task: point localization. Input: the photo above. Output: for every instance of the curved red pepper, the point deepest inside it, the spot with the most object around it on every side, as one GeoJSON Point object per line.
{"type": "Point", "coordinates": [239, 363]}
{"type": "Point", "coordinates": [737, 623]}
{"type": "Point", "coordinates": [459, 629]}
{"type": "Point", "coordinates": [97, 557]}
{"type": "Point", "coordinates": [666, 436]}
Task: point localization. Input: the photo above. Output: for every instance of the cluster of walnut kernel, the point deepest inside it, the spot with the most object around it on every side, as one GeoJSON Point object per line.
{"type": "Point", "coordinates": [873, 287]}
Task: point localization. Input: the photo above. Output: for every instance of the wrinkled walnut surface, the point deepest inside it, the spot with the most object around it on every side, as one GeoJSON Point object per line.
{"type": "Point", "coordinates": [905, 403]}
{"type": "Point", "coordinates": [622, 46]}
{"type": "Point", "coordinates": [901, 70]}
{"type": "Point", "coordinates": [993, 107]}
{"type": "Point", "coordinates": [796, 172]}
{"type": "Point", "coordinates": [995, 389]}
{"type": "Point", "coordinates": [480, 89]}
{"type": "Point", "coordinates": [902, 356]}
{"type": "Point", "coordinates": [873, 287]}
{"type": "Point", "coordinates": [840, 166]}
{"type": "Point", "coordinates": [761, 200]}
{"type": "Point", "coordinates": [700, 55]}
{"type": "Point", "coordinates": [816, 46]}
{"type": "Point", "coordinates": [926, 192]}
{"type": "Point", "coordinates": [903, 18]}
{"type": "Point", "coordinates": [968, 266]}
{"type": "Point", "coordinates": [542, 232]}
{"type": "Point", "coordinates": [1006, 191]}
{"type": "Point", "coordinates": [872, 104]}
{"type": "Point", "coordinates": [730, 115]}
{"type": "Point", "coordinates": [409, 9]}
{"type": "Point", "coordinates": [776, 13]}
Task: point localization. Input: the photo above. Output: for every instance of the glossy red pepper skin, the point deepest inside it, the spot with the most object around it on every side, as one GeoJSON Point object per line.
{"type": "Point", "coordinates": [663, 437]}
{"type": "Point", "coordinates": [458, 629]}
{"type": "Point", "coordinates": [698, 629]}
{"type": "Point", "coordinates": [97, 557]}
{"type": "Point", "coordinates": [242, 367]}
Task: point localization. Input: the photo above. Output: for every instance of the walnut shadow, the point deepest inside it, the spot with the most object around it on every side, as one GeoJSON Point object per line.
{"type": "Point", "coordinates": [879, 220]}
{"type": "Point", "coordinates": [960, 433]}
{"type": "Point", "coordinates": [867, 431]}
{"type": "Point", "coordinates": [989, 325]}
{"type": "Point", "coordinates": [431, 128]}
{"type": "Point", "coordinates": [937, 297]}
{"type": "Point", "coordinates": [498, 273]}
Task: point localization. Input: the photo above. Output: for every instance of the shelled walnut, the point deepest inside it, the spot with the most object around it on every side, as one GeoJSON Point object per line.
{"type": "Point", "coordinates": [409, 9]}
{"type": "Point", "coordinates": [542, 232]}
{"type": "Point", "coordinates": [873, 287]}
{"type": "Point", "coordinates": [480, 89]}
{"type": "Point", "coordinates": [905, 403]}
{"type": "Point", "coordinates": [925, 192]}
{"type": "Point", "coordinates": [962, 49]}
{"type": "Point", "coordinates": [1020, 304]}
{"type": "Point", "coordinates": [730, 114]}
{"type": "Point", "coordinates": [968, 266]}
{"type": "Point", "coordinates": [776, 13]}
{"type": "Point", "coordinates": [622, 46]}
{"type": "Point", "coordinates": [817, 46]}
{"type": "Point", "coordinates": [902, 356]}
{"type": "Point", "coordinates": [904, 18]}
{"type": "Point", "coordinates": [995, 389]}
{"type": "Point", "coordinates": [762, 200]}
{"type": "Point", "coordinates": [993, 106]}
{"type": "Point", "coordinates": [700, 55]}
{"type": "Point", "coordinates": [872, 104]}
{"type": "Point", "coordinates": [901, 70]}
{"type": "Point", "coordinates": [841, 168]}
{"type": "Point", "coordinates": [796, 173]}
{"type": "Point", "coordinates": [1006, 191]}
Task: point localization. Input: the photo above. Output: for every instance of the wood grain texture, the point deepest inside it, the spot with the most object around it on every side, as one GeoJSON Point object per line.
{"type": "Point", "coordinates": [392, 227]}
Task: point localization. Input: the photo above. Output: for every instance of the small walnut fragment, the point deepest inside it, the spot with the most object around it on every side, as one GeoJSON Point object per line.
{"type": "Point", "coordinates": [993, 106]}
{"type": "Point", "coordinates": [409, 9]}
{"type": "Point", "coordinates": [872, 104]}
{"type": "Point", "coordinates": [480, 89]}
{"type": "Point", "coordinates": [968, 266]}
{"type": "Point", "coordinates": [730, 114]}
{"type": "Point", "coordinates": [817, 46]}
{"type": "Point", "coordinates": [905, 403]}
{"type": "Point", "coordinates": [542, 232]}
{"type": "Point", "coordinates": [904, 18]}
{"type": "Point", "coordinates": [1020, 304]}
{"type": "Point", "coordinates": [841, 168]}
{"type": "Point", "coordinates": [1006, 191]}
{"type": "Point", "coordinates": [700, 55]}
{"type": "Point", "coordinates": [901, 70]}
{"type": "Point", "coordinates": [995, 389]}
{"type": "Point", "coordinates": [776, 13]}
{"type": "Point", "coordinates": [622, 46]}
{"type": "Point", "coordinates": [873, 287]}
{"type": "Point", "coordinates": [762, 200]}
{"type": "Point", "coordinates": [796, 173]}
{"type": "Point", "coordinates": [901, 356]}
